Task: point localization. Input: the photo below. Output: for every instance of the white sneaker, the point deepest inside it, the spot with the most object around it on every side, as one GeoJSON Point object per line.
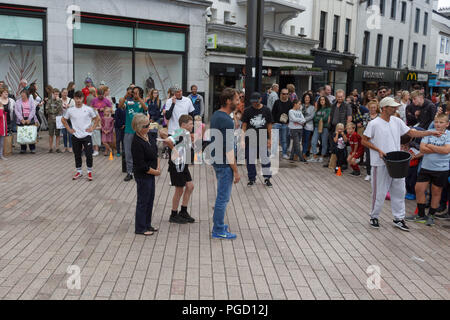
{"type": "Point", "coordinates": [320, 160]}
{"type": "Point", "coordinates": [95, 154]}
{"type": "Point", "coordinates": [367, 178]}
{"type": "Point", "coordinates": [312, 159]}
{"type": "Point", "coordinates": [286, 157]}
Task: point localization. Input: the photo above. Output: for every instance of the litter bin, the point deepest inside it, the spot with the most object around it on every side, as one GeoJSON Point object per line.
{"type": "Point", "coordinates": [397, 163]}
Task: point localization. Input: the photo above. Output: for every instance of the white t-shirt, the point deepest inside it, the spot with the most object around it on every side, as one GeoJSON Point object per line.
{"type": "Point", "coordinates": [81, 119]}
{"type": "Point", "coordinates": [385, 136]}
{"type": "Point", "coordinates": [183, 106]}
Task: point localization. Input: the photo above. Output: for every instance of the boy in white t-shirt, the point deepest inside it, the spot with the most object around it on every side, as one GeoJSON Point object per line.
{"type": "Point", "coordinates": [84, 120]}
{"type": "Point", "coordinates": [382, 135]}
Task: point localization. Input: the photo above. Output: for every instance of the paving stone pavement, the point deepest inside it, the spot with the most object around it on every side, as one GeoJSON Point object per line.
{"type": "Point", "coordinates": [308, 237]}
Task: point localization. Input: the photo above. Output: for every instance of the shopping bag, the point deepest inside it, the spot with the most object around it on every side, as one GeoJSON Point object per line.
{"type": "Point", "coordinates": [59, 124]}
{"type": "Point", "coordinates": [26, 134]}
{"type": "Point", "coordinates": [7, 146]}
{"type": "Point", "coordinates": [333, 162]}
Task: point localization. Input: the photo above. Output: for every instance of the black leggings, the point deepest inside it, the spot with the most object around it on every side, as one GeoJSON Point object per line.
{"type": "Point", "coordinates": [78, 146]}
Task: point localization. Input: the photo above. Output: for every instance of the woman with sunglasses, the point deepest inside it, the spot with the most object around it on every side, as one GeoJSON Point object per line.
{"type": "Point", "coordinates": [145, 168]}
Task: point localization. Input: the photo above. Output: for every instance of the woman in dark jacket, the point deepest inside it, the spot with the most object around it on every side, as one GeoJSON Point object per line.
{"type": "Point", "coordinates": [145, 168]}
{"type": "Point", "coordinates": [154, 106]}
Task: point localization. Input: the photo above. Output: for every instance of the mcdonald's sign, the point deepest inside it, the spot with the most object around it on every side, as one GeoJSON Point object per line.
{"type": "Point", "coordinates": [412, 76]}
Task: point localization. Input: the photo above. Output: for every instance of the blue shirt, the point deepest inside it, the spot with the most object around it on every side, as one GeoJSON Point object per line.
{"type": "Point", "coordinates": [222, 121]}
{"type": "Point", "coordinates": [436, 161]}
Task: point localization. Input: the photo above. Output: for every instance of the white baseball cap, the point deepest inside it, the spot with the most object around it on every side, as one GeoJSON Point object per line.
{"type": "Point", "coordinates": [389, 102]}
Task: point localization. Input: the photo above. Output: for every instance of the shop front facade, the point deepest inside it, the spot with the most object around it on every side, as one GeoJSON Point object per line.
{"type": "Point", "coordinates": [371, 78]}
{"type": "Point", "coordinates": [156, 44]}
{"type": "Point", "coordinates": [336, 69]}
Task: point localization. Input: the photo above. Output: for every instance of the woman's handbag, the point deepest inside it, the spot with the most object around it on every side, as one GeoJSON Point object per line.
{"type": "Point", "coordinates": [27, 134]}
{"type": "Point", "coordinates": [7, 146]}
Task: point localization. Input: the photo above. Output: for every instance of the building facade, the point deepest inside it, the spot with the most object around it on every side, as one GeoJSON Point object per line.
{"type": "Point", "coordinates": [393, 43]}
{"type": "Point", "coordinates": [117, 43]}
{"type": "Point", "coordinates": [287, 46]}
{"type": "Point", "coordinates": [334, 26]}
{"type": "Point", "coordinates": [439, 57]}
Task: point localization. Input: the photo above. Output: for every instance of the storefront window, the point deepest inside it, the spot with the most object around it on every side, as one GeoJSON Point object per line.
{"type": "Point", "coordinates": [103, 35]}
{"type": "Point", "coordinates": [159, 71]}
{"type": "Point", "coordinates": [114, 67]}
{"type": "Point", "coordinates": [160, 40]}
{"type": "Point", "coordinates": [341, 80]}
{"type": "Point", "coordinates": [21, 62]}
{"type": "Point", "coordinates": [20, 28]}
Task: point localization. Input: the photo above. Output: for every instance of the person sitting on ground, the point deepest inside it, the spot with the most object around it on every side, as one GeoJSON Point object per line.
{"type": "Point", "coordinates": [357, 149]}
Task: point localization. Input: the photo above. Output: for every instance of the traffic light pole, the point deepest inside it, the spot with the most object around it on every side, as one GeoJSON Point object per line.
{"type": "Point", "coordinates": [255, 42]}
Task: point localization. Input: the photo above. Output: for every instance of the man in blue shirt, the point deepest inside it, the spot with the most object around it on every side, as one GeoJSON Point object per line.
{"type": "Point", "coordinates": [224, 162]}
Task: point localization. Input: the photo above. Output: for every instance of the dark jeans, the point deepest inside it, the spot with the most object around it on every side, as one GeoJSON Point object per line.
{"type": "Point", "coordinates": [78, 146]}
{"type": "Point", "coordinates": [411, 180]}
{"type": "Point", "coordinates": [67, 137]}
{"type": "Point", "coordinates": [306, 139]}
{"type": "Point", "coordinates": [120, 133]}
{"type": "Point", "coordinates": [296, 135]}
{"type": "Point", "coordinates": [251, 155]}
{"type": "Point", "coordinates": [144, 204]}
{"type": "Point", "coordinates": [340, 154]}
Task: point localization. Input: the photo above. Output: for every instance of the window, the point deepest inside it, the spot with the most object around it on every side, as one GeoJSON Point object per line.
{"type": "Point", "coordinates": [389, 55]}
{"type": "Point", "coordinates": [425, 24]}
{"type": "Point", "coordinates": [160, 40]}
{"type": "Point", "coordinates": [400, 54]}
{"type": "Point", "coordinates": [366, 43]}
{"type": "Point", "coordinates": [103, 35]}
{"type": "Point", "coordinates": [416, 26]}
{"type": "Point", "coordinates": [348, 26]}
{"type": "Point", "coordinates": [442, 44]}
{"type": "Point", "coordinates": [335, 33]}
{"type": "Point", "coordinates": [382, 7]}
{"type": "Point", "coordinates": [404, 4]}
{"type": "Point", "coordinates": [414, 57]}
{"type": "Point", "coordinates": [422, 62]}
{"type": "Point", "coordinates": [323, 22]}
{"type": "Point", "coordinates": [292, 30]}
{"type": "Point", "coordinates": [379, 48]}
{"type": "Point", "coordinates": [394, 9]}
{"type": "Point", "coordinates": [22, 51]}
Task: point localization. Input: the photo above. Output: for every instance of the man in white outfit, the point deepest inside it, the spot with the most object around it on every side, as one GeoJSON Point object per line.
{"type": "Point", "coordinates": [382, 135]}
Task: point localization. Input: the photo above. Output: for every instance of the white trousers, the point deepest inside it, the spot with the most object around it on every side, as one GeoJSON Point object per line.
{"type": "Point", "coordinates": [381, 184]}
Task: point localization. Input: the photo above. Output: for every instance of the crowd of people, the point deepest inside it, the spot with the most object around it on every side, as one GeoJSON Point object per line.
{"type": "Point", "coordinates": [336, 130]}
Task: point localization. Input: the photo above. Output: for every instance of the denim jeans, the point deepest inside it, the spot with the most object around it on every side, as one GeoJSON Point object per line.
{"type": "Point", "coordinates": [144, 205]}
{"type": "Point", "coordinates": [323, 138]}
{"type": "Point", "coordinates": [224, 177]}
{"type": "Point", "coordinates": [120, 134]}
{"type": "Point", "coordinates": [251, 156]}
{"type": "Point", "coordinates": [284, 134]}
{"type": "Point", "coordinates": [127, 141]}
{"type": "Point", "coordinates": [306, 136]}
{"type": "Point", "coordinates": [296, 135]}
{"type": "Point", "coordinates": [66, 136]}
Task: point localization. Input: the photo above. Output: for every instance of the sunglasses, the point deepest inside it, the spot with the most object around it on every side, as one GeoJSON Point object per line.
{"type": "Point", "coordinates": [146, 126]}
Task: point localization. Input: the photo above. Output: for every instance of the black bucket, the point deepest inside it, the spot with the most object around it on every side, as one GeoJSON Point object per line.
{"type": "Point", "coordinates": [397, 163]}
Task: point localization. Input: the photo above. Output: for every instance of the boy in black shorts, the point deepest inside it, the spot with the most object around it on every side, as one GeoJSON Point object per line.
{"type": "Point", "coordinates": [435, 167]}
{"type": "Point", "coordinates": [181, 153]}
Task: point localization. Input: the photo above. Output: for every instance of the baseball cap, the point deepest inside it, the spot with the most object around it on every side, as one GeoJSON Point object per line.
{"type": "Point", "coordinates": [255, 97]}
{"type": "Point", "coordinates": [389, 102]}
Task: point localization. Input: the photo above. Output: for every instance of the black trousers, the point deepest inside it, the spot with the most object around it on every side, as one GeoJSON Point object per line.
{"type": "Point", "coordinates": [78, 146]}
{"type": "Point", "coordinates": [340, 154]}
{"type": "Point", "coordinates": [411, 180]}
{"type": "Point", "coordinates": [144, 205]}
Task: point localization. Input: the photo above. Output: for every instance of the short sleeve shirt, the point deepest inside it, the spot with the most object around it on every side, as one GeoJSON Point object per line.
{"type": "Point", "coordinates": [81, 119]}
{"type": "Point", "coordinates": [132, 108]}
{"type": "Point", "coordinates": [182, 106]}
{"type": "Point", "coordinates": [222, 122]}
{"type": "Point", "coordinates": [436, 161]}
{"type": "Point", "coordinates": [385, 136]}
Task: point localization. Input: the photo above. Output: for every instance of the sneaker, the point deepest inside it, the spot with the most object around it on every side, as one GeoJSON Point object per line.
{"type": "Point", "coordinates": [410, 196]}
{"type": "Point", "coordinates": [177, 219]}
{"type": "Point", "coordinates": [445, 216]}
{"type": "Point", "coordinates": [50, 151]}
{"type": "Point", "coordinates": [32, 152]}
{"type": "Point", "coordinates": [416, 218]}
{"type": "Point", "coordinates": [90, 176]}
{"type": "Point", "coordinates": [225, 235]}
{"type": "Point", "coordinates": [430, 220]}
{"type": "Point", "coordinates": [312, 159]}
{"type": "Point", "coordinates": [70, 150]}
{"type": "Point", "coordinates": [251, 183]}
{"type": "Point", "coordinates": [374, 223]}
{"type": "Point", "coordinates": [95, 154]}
{"type": "Point", "coordinates": [285, 156]}
{"type": "Point", "coordinates": [367, 178]}
{"type": "Point", "coordinates": [268, 183]}
{"type": "Point", "coordinates": [77, 175]}
{"type": "Point", "coordinates": [320, 160]}
{"type": "Point", "coordinates": [355, 173]}
{"type": "Point", "coordinates": [185, 215]}
{"type": "Point", "coordinates": [58, 151]}
{"type": "Point", "coordinates": [401, 225]}
{"type": "Point", "coordinates": [118, 155]}
{"type": "Point", "coordinates": [441, 208]}
{"type": "Point", "coordinates": [326, 165]}
{"type": "Point", "coordinates": [128, 177]}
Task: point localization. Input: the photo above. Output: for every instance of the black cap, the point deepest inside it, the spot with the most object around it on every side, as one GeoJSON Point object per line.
{"type": "Point", "coordinates": [255, 97]}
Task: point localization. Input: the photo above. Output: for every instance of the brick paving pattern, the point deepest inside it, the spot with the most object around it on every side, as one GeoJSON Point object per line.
{"type": "Point", "coordinates": [308, 237]}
